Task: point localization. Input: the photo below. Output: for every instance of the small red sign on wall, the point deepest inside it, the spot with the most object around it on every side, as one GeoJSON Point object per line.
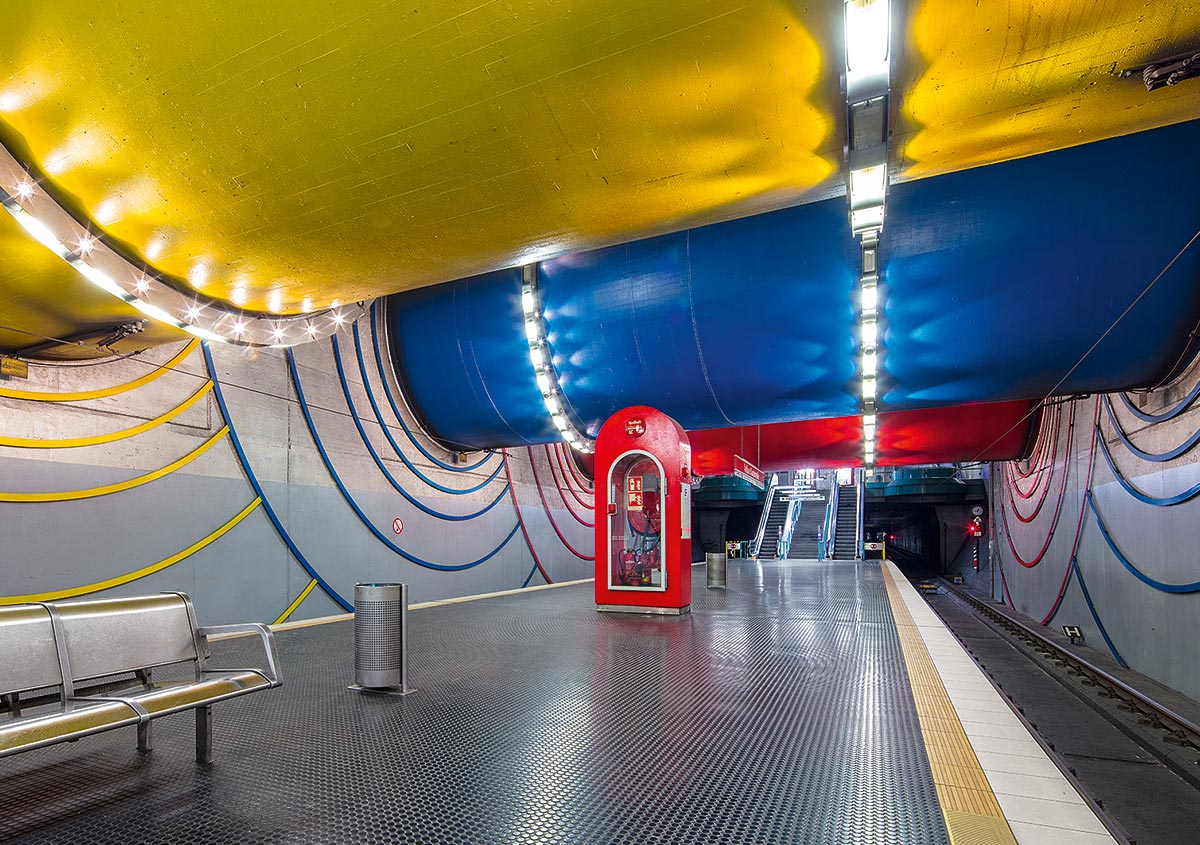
{"type": "Point", "coordinates": [398, 525]}
{"type": "Point", "coordinates": [635, 426]}
{"type": "Point", "coordinates": [747, 471]}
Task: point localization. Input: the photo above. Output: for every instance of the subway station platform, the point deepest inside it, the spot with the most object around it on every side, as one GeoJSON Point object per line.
{"type": "Point", "coordinates": [810, 702]}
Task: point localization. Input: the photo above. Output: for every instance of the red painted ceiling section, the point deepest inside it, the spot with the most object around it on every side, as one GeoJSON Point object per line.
{"type": "Point", "coordinates": [995, 431]}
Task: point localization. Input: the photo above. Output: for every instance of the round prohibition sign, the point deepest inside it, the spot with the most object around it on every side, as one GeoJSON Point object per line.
{"type": "Point", "coordinates": [398, 525]}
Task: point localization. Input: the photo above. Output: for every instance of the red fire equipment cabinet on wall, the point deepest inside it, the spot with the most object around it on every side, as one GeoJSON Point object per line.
{"type": "Point", "coordinates": [643, 514]}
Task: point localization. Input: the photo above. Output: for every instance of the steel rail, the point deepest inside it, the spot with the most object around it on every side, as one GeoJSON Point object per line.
{"type": "Point", "coordinates": [1169, 717]}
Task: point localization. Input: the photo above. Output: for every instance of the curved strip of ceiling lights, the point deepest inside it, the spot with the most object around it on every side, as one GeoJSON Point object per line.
{"type": "Point", "coordinates": [543, 369]}
{"type": "Point", "coordinates": [55, 228]}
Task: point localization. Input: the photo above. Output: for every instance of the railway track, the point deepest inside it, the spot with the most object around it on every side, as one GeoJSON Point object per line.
{"type": "Point", "coordinates": [1177, 728]}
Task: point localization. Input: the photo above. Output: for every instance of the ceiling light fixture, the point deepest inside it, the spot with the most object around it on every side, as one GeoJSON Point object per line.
{"type": "Point", "coordinates": [543, 372]}
{"type": "Point", "coordinates": [868, 33]}
{"type": "Point", "coordinates": [160, 299]}
{"type": "Point", "coordinates": [1169, 71]}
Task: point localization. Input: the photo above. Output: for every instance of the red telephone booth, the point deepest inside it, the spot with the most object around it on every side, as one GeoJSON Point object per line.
{"type": "Point", "coordinates": [643, 514]}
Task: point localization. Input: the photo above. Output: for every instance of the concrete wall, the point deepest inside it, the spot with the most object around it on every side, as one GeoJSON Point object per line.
{"type": "Point", "coordinates": [1152, 630]}
{"type": "Point", "coordinates": [82, 546]}
{"type": "Point", "coordinates": [960, 548]}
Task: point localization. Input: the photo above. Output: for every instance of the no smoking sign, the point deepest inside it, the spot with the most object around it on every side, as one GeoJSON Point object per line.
{"type": "Point", "coordinates": [398, 525]}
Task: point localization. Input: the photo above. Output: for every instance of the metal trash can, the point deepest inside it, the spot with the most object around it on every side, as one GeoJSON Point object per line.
{"type": "Point", "coordinates": [715, 565]}
{"type": "Point", "coordinates": [381, 638]}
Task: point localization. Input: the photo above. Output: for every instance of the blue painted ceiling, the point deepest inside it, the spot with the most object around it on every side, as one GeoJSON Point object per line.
{"type": "Point", "coordinates": [996, 282]}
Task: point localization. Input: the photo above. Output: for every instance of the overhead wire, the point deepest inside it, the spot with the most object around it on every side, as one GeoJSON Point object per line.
{"type": "Point", "coordinates": [299, 557]}
{"type": "Point", "coordinates": [1046, 398]}
{"type": "Point", "coordinates": [391, 479]}
{"type": "Point", "coordinates": [353, 503]}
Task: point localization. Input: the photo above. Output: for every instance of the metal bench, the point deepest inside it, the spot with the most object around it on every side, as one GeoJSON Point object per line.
{"type": "Point", "coordinates": [78, 648]}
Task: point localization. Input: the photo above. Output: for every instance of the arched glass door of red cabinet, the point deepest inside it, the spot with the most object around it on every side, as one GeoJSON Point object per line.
{"type": "Point", "coordinates": [637, 488]}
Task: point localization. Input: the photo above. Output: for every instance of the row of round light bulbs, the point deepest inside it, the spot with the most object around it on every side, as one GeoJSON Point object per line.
{"type": "Point", "coordinates": [869, 330]}
{"type": "Point", "coordinates": [543, 371]}
{"type": "Point", "coordinates": [54, 228]}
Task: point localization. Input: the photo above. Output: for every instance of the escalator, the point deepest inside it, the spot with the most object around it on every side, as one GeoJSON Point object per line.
{"type": "Point", "coordinates": [776, 517]}
{"type": "Point", "coordinates": [805, 545]}
{"type": "Point", "coordinates": [845, 543]}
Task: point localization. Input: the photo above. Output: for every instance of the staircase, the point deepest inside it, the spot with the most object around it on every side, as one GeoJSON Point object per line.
{"type": "Point", "coordinates": [808, 524]}
{"type": "Point", "coordinates": [775, 519]}
{"type": "Point", "coordinates": [845, 544]}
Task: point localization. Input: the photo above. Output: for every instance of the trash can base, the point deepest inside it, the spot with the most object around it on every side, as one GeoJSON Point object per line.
{"type": "Point", "coordinates": [382, 690]}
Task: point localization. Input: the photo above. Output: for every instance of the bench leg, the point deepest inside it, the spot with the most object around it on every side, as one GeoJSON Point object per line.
{"type": "Point", "coordinates": [145, 736]}
{"type": "Point", "coordinates": [204, 734]}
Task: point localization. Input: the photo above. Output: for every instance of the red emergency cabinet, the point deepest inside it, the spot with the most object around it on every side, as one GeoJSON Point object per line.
{"type": "Point", "coordinates": [643, 514]}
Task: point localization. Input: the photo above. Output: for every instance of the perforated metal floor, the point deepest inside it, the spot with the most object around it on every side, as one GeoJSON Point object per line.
{"type": "Point", "coordinates": [778, 711]}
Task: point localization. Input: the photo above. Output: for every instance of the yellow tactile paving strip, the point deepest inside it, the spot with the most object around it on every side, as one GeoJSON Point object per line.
{"type": "Point", "coordinates": [972, 813]}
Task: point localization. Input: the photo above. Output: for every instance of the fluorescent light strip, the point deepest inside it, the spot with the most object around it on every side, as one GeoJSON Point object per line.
{"type": "Point", "coordinates": [866, 219]}
{"type": "Point", "coordinates": [868, 33]}
{"type": "Point", "coordinates": [868, 78]}
{"type": "Point", "coordinates": [870, 333]}
{"type": "Point", "coordinates": [543, 372]}
{"type": "Point", "coordinates": [868, 186]}
{"type": "Point", "coordinates": [48, 223]}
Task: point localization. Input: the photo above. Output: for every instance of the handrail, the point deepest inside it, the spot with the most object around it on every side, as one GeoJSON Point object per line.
{"type": "Point", "coordinates": [762, 521]}
{"type": "Point", "coordinates": [789, 526]}
{"type": "Point", "coordinates": [860, 489]}
{"type": "Point", "coordinates": [831, 519]}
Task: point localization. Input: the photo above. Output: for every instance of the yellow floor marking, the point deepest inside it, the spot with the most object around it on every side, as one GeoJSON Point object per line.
{"type": "Point", "coordinates": [972, 813]}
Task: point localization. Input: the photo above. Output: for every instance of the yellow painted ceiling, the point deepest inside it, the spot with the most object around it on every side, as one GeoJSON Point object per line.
{"type": "Point", "coordinates": [990, 80]}
{"type": "Point", "coordinates": [42, 297]}
{"type": "Point", "coordinates": [340, 150]}
{"type": "Point", "coordinates": [269, 151]}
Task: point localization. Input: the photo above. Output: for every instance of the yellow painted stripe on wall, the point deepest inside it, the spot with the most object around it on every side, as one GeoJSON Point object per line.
{"type": "Point", "coordinates": [128, 577]}
{"type": "Point", "coordinates": [129, 484]}
{"type": "Point", "coordinates": [101, 393]}
{"type": "Point", "coordinates": [111, 437]}
{"type": "Point", "coordinates": [291, 608]}
{"type": "Point", "coordinates": [969, 806]}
